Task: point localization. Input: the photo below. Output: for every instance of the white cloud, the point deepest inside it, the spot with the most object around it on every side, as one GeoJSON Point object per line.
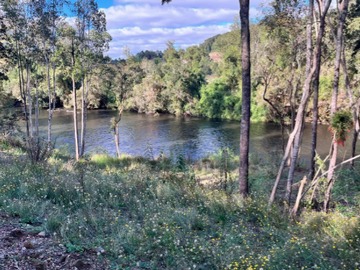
{"type": "Point", "coordinates": [148, 16]}
{"type": "Point", "coordinates": [213, 4]}
{"type": "Point", "coordinates": [138, 39]}
{"type": "Point", "coordinates": [148, 25]}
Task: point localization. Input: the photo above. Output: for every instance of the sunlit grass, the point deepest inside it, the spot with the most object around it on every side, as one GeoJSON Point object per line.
{"type": "Point", "coordinates": [154, 215]}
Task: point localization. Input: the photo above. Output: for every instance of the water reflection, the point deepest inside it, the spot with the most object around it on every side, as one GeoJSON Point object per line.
{"type": "Point", "coordinates": [194, 138]}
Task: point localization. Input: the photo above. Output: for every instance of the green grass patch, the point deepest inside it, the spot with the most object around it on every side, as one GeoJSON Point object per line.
{"type": "Point", "coordinates": [150, 214]}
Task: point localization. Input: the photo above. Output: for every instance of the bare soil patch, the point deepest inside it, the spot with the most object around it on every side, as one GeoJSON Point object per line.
{"type": "Point", "coordinates": [23, 247]}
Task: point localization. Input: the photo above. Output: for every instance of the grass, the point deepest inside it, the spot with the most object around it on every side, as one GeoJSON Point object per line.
{"type": "Point", "coordinates": [154, 215]}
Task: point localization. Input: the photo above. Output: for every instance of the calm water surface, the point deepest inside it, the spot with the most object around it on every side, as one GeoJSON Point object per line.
{"type": "Point", "coordinates": [194, 138]}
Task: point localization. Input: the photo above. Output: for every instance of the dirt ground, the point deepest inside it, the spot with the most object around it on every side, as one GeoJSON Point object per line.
{"type": "Point", "coordinates": [23, 247]}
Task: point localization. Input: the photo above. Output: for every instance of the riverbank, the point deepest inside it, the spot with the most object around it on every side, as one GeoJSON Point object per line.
{"type": "Point", "coordinates": [136, 213]}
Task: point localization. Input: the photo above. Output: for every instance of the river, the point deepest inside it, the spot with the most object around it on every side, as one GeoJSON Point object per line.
{"type": "Point", "coordinates": [193, 138]}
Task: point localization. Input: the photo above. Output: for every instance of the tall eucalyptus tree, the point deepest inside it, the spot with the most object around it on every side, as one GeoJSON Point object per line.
{"type": "Point", "coordinates": [48, 13]}
{"type": "Point", "coordinates": [93, 41]}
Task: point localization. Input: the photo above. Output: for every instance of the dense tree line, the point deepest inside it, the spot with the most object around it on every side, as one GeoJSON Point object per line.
{"type": "Point", "coordinates": [205, 80]}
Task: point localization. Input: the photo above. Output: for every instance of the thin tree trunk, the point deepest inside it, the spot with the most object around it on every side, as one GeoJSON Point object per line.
{"type": "Point", "coordinates": [309, 37]}
{"type": "Point", "coordinates": [76, 136]}
{"type": "Point", "coordinates": [246, 98]}
{"type": "Point", "coordinates": [37, 113]}
{"type": "Point", "coordinates": [82, 136]}
{"type": "Point", "coordinates": [29, 99]}
{"type": "Point", "coordinates": [294, 156]}
{"type": "Point", "coordinates": [315, 91]}
{"type": "Point", "coordinates": [75, 119]}
{"type": "Point", "coordinates": [84, 114]}
{"type": "Point", "coordinates": [50, 96]}
{"type": "Point", "coordinates": [117, 140]}
{"type": "Point", "coordinates": [343, 8]}
{"type": "Point", "coordinates": [35, 148]}
{"type": "Point", "coordinates": [315, 121]}
{"type": "Point", "coordinates": [354, 105]}
{"type": "Point", "coordinates": [54, 92]}
{"type": "Point", "coordinates": [298, 198]}
{"type": "Point", "coordinates": [22, 88]}
{"type": "Point", "coordinates": [295, 134]}
{"type": "Point", "coordinates": [115, 125]}
{"type": "Point", "coordinates": [355, 131]}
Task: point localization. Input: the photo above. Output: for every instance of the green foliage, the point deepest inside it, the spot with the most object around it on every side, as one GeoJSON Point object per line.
{"type": "Point", "coordinates": [73, 248]}
{"type": "Point", "coordinates": [259, 111]}
{"type": "Point", "coordinates": [144, 211]}
{"type": "Point", "coordinates": [8, 117]}
{"type": "Point", "coordinates": [340, 124]}
{"type": "Point", "coordinates": [325, 87]}
{"type": "Point", "coordinates": [217, 102]}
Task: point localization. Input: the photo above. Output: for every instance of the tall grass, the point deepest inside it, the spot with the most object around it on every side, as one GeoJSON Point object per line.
{"type": "Point", "coordinates": [152, 215]}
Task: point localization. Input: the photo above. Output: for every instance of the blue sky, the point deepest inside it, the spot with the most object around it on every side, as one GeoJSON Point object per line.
{"type": "Point", "coordinates": [148, 25]}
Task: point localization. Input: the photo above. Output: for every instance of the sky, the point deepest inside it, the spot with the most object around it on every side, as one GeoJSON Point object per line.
{"type": "Point", "coordinates": [147, 25]}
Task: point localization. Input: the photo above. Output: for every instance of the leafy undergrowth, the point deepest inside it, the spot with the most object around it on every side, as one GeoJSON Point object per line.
{"type": "Point", "coordinates": [152, 215]}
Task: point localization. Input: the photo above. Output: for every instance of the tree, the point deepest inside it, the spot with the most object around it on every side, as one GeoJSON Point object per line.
{"type": "Point", "coordinates": [67, 55]}
{"type": "Point", "coordinates": [352, 36]}
{"type": "Point", "coordinates": [343, 10]}
{"type": "Point", "coordinates": [120, 78]}
{"type": "Point", "coordinates": [7, 117]}
{"type": "Point", "coordinates": [294, 140]}
{"type": "Point", "coordinates": [25, 22]}
{"type": "Point", "coordinates": [246, 97]}
{"type": "Point", "coordinates": [93, 41]}
{"type": "Point", "coordinates": [48, 14]}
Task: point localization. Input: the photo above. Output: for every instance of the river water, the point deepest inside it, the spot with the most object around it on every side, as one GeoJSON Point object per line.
{"type": "Point", "coordinates": [193, 138]}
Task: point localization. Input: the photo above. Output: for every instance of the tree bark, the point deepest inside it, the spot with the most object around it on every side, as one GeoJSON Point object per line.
{"type": "Point", "coordinates": [83, 108]}
{"type": "Point", "coordinates": [115, 126]}
{"type": "Point", "coordinates": [76, 136]}
{"type": "Point", "coordinates": [29, 99]}
{"type": "Point", "coordinates": [22, 87]}
{"type": "Point", "coordinates": [354, 105]}
{"type": "Point", "coordinates": [315, 110]}
{"type": "Point", "coordinates": [37, 113]}
{"type": "Point", "coordinates": [343, 9]}
{"type": "Point", "coordinates": [314, 125]}
{"type": "Point", "coordinates": [50, 96]}
{"type": "Point", "coordinates": [54, 89]}
{"type": "Point", "coordinates": [295, 136]}
{"type": "Point", "coordinates": [298, 198]}
{"type": "Point", "coordinates": [246, 98]}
